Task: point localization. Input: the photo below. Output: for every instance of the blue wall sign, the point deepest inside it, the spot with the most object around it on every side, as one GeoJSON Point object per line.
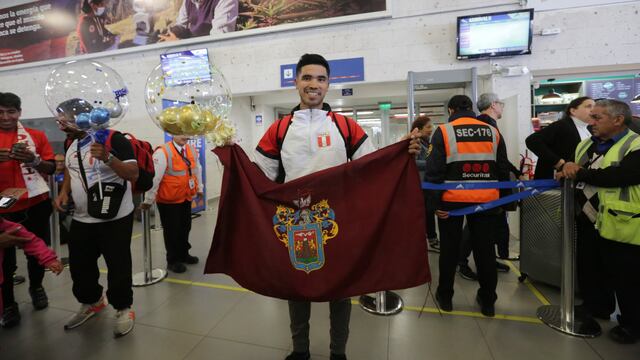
{"type": "Point", "coordinates": [342, 71]}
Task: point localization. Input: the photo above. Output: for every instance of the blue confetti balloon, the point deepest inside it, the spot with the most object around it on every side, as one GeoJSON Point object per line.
{"type": "Point", "coordinates": [80, 86]}
{"type": "Point", "coordinates": [99, 117]}
{"type": "Point", "coordinates": [83, 121]}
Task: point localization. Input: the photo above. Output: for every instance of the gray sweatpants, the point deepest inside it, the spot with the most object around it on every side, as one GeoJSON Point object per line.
{"type": "Point", "coordinates": [340, 314]}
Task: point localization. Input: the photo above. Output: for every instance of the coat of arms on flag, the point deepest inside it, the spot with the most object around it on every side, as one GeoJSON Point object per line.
{"type": "Point", "coordinates": [305, 232]}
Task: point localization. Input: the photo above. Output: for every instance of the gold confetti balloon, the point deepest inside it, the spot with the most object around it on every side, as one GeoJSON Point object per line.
{"type": "Point", "coordinates": [188, 106]}
{"type": "Point", "coordinates": [168, 120]}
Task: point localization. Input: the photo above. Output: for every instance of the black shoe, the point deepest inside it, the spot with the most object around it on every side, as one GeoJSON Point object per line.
{"type": "Point", "coordinates": [444, 304]}
{"type": "Point", "coordinates": [486, 309]}
{"type": "Point", "coordinates": [502, 267]}
{"type": "Point", "coordinates": [11, 316]}
{"type": "Point", "coordinates": [177, 267]}
{"type": "Point", "coordinates": [622, 335]}
{"type": "Point", "coordinates": [434, 244]}
{"type": "Point", "coordinates": [17, 279]}
{"type": "Point", "coordinates": [190, 259]}
{"type": "Point", "coordinates": [39, 298]}
{"type": "Point", "coordinates": [298, 356]}
{"type": "Point", "coordinates": [338, 357]}
{"type": "Point", "coordinates": [466, 273]}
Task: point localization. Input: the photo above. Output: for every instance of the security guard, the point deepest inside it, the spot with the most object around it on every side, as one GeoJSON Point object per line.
{"type": "Point", "coordinates": [610, 161]}
{"type": "Point", "coordinates": [465, 150]}
{"type": "Point", "coordinates": [177, 180]}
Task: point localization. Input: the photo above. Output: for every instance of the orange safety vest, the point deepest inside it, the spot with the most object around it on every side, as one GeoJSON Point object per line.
{"type": "Point", "coordinates": [174, 186]}
{"type": "Point", "coordinates": [471, 147]}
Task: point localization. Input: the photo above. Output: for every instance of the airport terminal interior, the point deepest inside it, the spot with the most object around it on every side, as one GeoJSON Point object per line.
{"type": "Point", "coordinates": [391, 61]}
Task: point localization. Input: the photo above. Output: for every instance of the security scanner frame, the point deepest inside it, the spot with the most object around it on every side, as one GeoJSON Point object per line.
{"type": "Point", "coordinates": [435, 80]}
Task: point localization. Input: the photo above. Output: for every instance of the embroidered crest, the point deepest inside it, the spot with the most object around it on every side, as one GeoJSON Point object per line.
{"type": "Point", "coordinates": [305, 231]}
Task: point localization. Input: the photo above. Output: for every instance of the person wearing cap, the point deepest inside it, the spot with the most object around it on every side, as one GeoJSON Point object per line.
{"type": "Point", "coordinates": [26, 158]}
{"type": "Point", "coordinates": [465, 150]}
{"type": "Point", "coordinates": [177, 180]}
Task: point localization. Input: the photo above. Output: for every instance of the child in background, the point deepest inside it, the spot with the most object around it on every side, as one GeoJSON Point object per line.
{"type": "Point", "coordinates": [14, 234]}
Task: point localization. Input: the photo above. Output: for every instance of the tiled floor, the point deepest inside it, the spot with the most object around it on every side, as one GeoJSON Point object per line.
{"type": "Point", "coordinates": [194, 316]}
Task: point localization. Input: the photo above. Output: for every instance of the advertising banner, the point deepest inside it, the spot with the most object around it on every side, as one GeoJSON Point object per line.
{"type": "Point", "coordinates": [56, 29]}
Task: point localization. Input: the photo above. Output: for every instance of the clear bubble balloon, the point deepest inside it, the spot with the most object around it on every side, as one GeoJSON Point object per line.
{"type": "Point", "coordinates": [181, 104]}
{"type": "Point", "coordinates": [86, 95]}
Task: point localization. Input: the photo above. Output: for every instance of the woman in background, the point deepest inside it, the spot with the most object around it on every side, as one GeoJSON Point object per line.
{"type": "Point", "coordinates": [556, 144]}
{"type": "Point", "coordinates": [423, 123]}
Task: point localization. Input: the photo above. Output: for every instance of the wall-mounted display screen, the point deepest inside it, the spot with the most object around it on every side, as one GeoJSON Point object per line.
{"type": "Point", "coordinates": [185, 67]}
{"type": "Point", "coordinates": [496, 34]}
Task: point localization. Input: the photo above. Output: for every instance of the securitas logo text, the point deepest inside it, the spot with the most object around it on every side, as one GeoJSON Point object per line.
{"type": "Point", "coordinates": [476, 171]}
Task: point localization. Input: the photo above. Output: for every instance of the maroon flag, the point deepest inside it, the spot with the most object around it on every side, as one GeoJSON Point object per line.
{"type": "Point", "coordinates": [349, 230]}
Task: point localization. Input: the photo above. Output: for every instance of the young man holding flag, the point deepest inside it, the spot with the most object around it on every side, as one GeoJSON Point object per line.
{"type": "Point", "coordinates": [316, 139]}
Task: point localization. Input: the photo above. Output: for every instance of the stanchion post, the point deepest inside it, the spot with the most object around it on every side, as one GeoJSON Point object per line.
{"type": "Point", "coordinates": [563, 318]}
{"type": "Point", "coordinates": [567, 290]}
{"type": "Point", "coordinates": [54, 222]}
{"type": "Point", "coordinates": [149, 275]}
{"type": "Point", "coordinates": [384, 303]}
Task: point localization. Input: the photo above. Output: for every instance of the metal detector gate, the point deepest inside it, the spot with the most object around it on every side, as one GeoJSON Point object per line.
{"type": "Point", "coordinates": [436, 80]}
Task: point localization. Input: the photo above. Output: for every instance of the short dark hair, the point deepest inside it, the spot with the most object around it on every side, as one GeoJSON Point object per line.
{"type": "Point", "coordinates": [420, 122]}
{"type": "Point", "coordinates": [616, 108]}
{"type": "Point", "coordinates": [10, 100]}
{"type": "Point", "coordinates": [460, 103]}
{"type": "Point", "coordinates": [73, 107]}
{"type": "Point", "coordinates": [312, 59]}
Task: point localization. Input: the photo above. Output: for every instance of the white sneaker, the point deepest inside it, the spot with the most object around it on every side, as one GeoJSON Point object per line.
{"type": "Point", "coordinates": [124, 322]}
{"type": "Point", "coordinates": [85, 313]}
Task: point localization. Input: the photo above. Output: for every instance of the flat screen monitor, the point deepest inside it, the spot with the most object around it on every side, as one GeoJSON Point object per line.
{"type": "Point", "coordinates": [497, 34]}
{"type": "Point", "coordinates": [185, 67]}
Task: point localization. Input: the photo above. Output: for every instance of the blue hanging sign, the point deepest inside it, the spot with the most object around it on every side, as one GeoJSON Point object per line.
{"type": "Point", "coordinates": [342, 71]}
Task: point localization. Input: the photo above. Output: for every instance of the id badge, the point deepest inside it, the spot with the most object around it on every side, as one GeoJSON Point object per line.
{"type": "Point", "coordinates": [580, 185]}
{"type": "Point", "coordinates": [192, 184]}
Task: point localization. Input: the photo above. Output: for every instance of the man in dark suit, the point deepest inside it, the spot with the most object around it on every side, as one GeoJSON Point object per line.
{"type": "Point", "coordinates": [557, 142]}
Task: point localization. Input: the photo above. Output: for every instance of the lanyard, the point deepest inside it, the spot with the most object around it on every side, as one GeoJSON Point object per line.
{"type": "Point", "coordinates": [589, 163]}
{"type": "Point", "coordinates": [184, 158]}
